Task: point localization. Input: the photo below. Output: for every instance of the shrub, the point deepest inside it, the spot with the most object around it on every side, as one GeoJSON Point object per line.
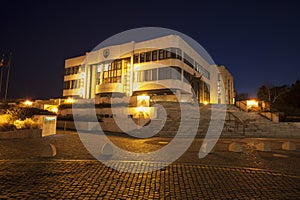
{"type": "Point", "coordinates": [25, 124]}
{"type": "Point", "coordinates": [7, 127]}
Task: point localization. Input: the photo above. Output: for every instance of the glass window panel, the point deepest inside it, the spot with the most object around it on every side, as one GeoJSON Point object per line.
{"type": "Point", "coordinates": [154, 55]}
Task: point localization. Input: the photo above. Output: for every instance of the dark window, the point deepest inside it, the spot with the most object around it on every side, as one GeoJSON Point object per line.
{"type": "Point", "coordinates": [187, 76]}
{"type": "Point", "coordinates": [169, 73]}
{"type": "Point", "coordinates": [148, 56]}
{"type": "Point", "coordinates": [162, 54]}
{"type": "Point", "coordinates": [136, 58]}
{"type": "Point", "coordinates": [178, 54]}
{"type": "Point", "coordinates": [164, 73]}
{"type": "Point", "coordinates": [154, 55]}
{"type": "Point", "coordinates": [188, 60]}
{"type": "Point", "coordinates": [171, 52]}
{"type": "Point", "coordinates": [76, 69]}
{"type": "Point", "coordinates": [168, 53]}
{"type": "Point", "coordinates": [71, 70]}
{"type": "Point", "coordinates": [154, 74]}
{"type": "Point", "coordinates": [82, 68]}
{"type": "Point", "coordinates": [176, 73]}
{"type": "Point", "coordinates": [142, 57]}
{"type": "Point", "coordinates": [147, 74]}
{"type": "Point", "coordinates": [66, 71]}
{"type": "Point", "coordinates": [67, 85]}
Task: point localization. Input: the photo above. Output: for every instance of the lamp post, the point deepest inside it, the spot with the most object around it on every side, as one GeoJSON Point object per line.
{"type": "Point", "coordinates": [195, 82]}
{"type": "Point", "coordinates": [3, 67]}
{"type": "Point", "coordinates": [7, 77]}
{"type": "Point", "coordinates": [1, 71]}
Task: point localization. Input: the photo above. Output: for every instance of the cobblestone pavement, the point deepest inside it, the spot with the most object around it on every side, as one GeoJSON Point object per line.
{"type": "Point", "coordinates": [75, 174]}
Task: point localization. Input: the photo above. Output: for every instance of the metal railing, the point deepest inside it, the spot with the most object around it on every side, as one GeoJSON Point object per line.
{"type": "Point", "coordinates": [237, 122]}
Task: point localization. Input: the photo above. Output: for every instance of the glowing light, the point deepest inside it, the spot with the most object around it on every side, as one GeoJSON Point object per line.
{"type": "Point", "coordinates": [143, 97]}
{"type": "Point", "coordinates": [142, 112]}
{"type": "Point", "coordinates": [143, 100]}
{"type": "Point", "coordinates": [5, 118]}
{"type": "Point", "coordinates": [69, 100]}
{"type": "Point", "coordinates": [28, 103]}
{"type": "Point", "coordinates": [55, 110]}
{"type": "Point", "coordinates": [51, 108]}
{"type": "Point", "coordinates": [205, 102]}
{"type": "Point", "coordinates": [141, 109]}
{"type": "Point", "coordinates": [252, 103]}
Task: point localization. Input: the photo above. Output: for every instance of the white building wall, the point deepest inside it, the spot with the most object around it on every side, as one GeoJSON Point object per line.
{"type": "Point", "coordinates": [127, 50]}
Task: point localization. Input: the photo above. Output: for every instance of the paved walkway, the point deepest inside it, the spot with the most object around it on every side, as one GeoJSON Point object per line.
{"type": "Point", "coordinates": [75, 174]}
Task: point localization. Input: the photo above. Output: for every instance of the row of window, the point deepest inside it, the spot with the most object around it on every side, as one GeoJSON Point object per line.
{"type": "Point", "coordinates": [74, 70]}
{"type": "Point", "coordinates": [112, 72]}
{"type": "Point", "coordinates": [159, 54]}
{"type": "Point", "coordinates": [202, 70]}
{"type": "Point", "coordinates": [168, 53]}
{"type": "Point", "coordinates": [73, 84]}
{"type": "Point", "coordinates": [201, 88]}
{"type": "Point", "coordinates": [162, 73]}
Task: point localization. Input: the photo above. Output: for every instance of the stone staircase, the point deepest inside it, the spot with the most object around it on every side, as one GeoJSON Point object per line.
{"type": "Point", "coordinates": [257, 125]}
{"type": "Point", "coordinates": [237, 123]}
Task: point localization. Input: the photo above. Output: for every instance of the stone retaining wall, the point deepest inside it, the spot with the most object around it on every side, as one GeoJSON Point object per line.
{"type": "Point", "coordinates": [25, 133]}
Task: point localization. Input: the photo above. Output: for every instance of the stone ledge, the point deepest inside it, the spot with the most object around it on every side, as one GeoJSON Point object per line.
{"type": "Point", "coordinates": [24, 133]}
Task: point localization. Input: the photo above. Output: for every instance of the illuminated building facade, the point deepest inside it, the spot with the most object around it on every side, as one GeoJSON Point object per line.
{"type": "Point", "coordinates": [227, 87]}
{"type": "Point", "coordinates": [162, 68]}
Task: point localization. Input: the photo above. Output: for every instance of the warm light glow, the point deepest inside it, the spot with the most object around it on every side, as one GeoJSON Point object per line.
{"type": "Point", "coordinates": [51, 108]}
{"type": "Point", "coordinates": [4, 118]}
{"type": "Point", "coordinates": [252, 103]}
{"type": "Point", "coordinates": [141, 109]}
{"type": "Point", "coordinates": [28, 103]}
{"type": "Point", "coordinates": [142, 112]}
{"type": "Point", "coordinates": [55, 110]}
{"type": "Point", "coordinates": [205, 102]}
{"type": "Point", "coordinates": [69, 100]}
{"type": "Point", "coordinates": [143, 97]}
{"type": "Point", "coordinates": [143, 100]}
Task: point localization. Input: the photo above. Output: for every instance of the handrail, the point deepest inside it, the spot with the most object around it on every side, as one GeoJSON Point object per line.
{"type": "Point", "coordinates": [237, 121]}
{"type": "Point", "coordinates": [241, 105]}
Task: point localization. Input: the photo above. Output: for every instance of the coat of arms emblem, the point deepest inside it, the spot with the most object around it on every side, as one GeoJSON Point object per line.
{"type": "Point", "coordinates": [106, 53]}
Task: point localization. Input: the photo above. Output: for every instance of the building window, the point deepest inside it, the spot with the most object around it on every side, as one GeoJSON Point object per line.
{"type": "Point", "coordinates": [178, 54]}
{"type": "Point", "coordinates": [75, 70]}
{"type": "Point", "coordinates": [136, 58]}
{"type": "Point", "coordinates": [72, 84]}
{"type": "Point", "coordinates": [171, 52]}
{"type": "Point", "coordinates": [142, 57]}
{"type": "Point", "coordinates": [145, 75]}
{"type": "Point", "coordinates": [82, 68]}
{"type": "Point", "coordinates": [202, 70]}
{"type": "Point", "coordinates": [113, 72]}
{"type": "Point", "coordinates": [187, 76]}
{"type": "Point", "coordinates": [188, 60]}
{"type": "Point", "coordinates": [72, 70]}
{"type": "Point", "coordinates": [154, 74]}
{"type": "Point", "coordinates": [148, 56]}
{"type": "Point", "coordinates": [162, 54]}
{"type": "Point", "coordinates": [154, 55]}
{"type": "Point", "coordinates": [169, 73]}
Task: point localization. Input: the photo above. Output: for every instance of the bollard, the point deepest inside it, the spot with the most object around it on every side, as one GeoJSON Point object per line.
{"type": "Point", "coordinates": [263, 146]}
{"type": "Point", "coordinates": [107, 150]}
{"type": "Point", "coordinates": [289, 146]}
{"type": "Point", "coordinates": [235, 147]}
{"type": "Point", "coordinates": [49, 151]}
{"type": "Point", "coordinates": [206, 147]}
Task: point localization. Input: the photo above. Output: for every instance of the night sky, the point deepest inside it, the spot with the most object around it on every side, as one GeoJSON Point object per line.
{"type": "Point", "coordinates": [258, 41]}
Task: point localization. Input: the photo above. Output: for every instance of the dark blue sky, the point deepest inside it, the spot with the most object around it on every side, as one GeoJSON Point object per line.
{"type": "Point", "coordinates": [258, 41]}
